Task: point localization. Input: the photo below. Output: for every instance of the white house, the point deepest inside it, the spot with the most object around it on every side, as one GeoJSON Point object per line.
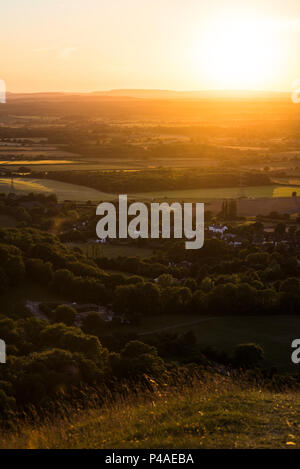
{"type": "Point", "coordinates": [218, 229]}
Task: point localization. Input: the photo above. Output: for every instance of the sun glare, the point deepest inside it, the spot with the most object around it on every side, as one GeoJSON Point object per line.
{"type": "Point", "coordinates": [239, 54]}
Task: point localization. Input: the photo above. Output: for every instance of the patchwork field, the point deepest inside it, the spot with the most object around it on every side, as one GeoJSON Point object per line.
{"type": "Point", "coordinates": [64, 191]}
{"type": "Point", "coordinates": [75, 191]}
{"type": "Point", "coordinates": [252, 200]}
{"type": "Point", "coordinates": [224, 193]}
{"type": "Point", "coordinates": [259, 206]}
{"type": "Point", "coordinates": [28, 163]}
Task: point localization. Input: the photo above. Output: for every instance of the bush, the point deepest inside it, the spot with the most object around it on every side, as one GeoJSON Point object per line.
{"type": "Point", "coordinates": [248, 355]}
{"type": "Point", "coordinates": [65, 314]}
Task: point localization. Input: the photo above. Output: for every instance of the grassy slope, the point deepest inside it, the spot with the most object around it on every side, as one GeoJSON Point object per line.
{"type": "Point", "coordinates": [215, 415]}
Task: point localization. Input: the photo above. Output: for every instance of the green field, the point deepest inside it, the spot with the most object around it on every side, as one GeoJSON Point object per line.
{"type": "Point", "coordinates": [63, 190]}
{"type": "Point", "coordinates": [274, 334]}
{"type": "Point", "coordinates": [267, 191]}
{"type": "Point", "coordinates": [67, 191]}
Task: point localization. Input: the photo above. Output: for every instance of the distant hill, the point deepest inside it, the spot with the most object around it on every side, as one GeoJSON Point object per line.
{"type": "Point", "coordinates": [201, 94]}
{"type": "Point", "coordinates": [155, 94]}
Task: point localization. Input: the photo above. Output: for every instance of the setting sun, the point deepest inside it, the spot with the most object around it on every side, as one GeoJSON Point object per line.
{"type": "Point", "coordinates": [239, 54]}
{"type": "Point", "coordinates": [169, 44]}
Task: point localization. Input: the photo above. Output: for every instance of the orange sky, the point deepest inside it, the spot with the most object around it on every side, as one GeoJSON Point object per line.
{"type": "Point", "coordinates": [85, 45]}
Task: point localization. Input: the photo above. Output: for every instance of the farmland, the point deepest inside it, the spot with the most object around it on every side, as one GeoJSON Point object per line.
{"type": "Point", "coordinates": [68, 191]}
{"type": "Point", "coordinates": [223, 193]}
{"type": "Point", "coordinates": [64, 191]}
{"type": "Point", "coordinates": [150, 238]}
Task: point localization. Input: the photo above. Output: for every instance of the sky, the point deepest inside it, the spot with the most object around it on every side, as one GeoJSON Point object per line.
{"type": "Point", "coordinates": [94, 45]}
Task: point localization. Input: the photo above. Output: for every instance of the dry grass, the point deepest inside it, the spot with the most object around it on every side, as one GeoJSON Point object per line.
{"type": "Point", "coordinates": [214, 414]}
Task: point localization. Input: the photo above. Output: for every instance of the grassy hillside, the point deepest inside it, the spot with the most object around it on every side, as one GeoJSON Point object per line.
{"type": "Point", "coordinates": [217, 414]}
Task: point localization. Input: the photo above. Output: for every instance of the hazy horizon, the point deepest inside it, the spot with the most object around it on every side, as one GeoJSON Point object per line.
{"type": "Point", "coordinates": [155, 90]}
{"type": "Point", "coordinates": [90, 45]}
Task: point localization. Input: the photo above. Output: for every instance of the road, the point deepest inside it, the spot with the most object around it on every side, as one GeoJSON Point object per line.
{"type": "Point", "coordinates": [34, 307]}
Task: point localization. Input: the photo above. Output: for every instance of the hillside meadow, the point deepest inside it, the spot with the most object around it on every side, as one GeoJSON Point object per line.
{"type": "Point", "coordinates": [214, 413]}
